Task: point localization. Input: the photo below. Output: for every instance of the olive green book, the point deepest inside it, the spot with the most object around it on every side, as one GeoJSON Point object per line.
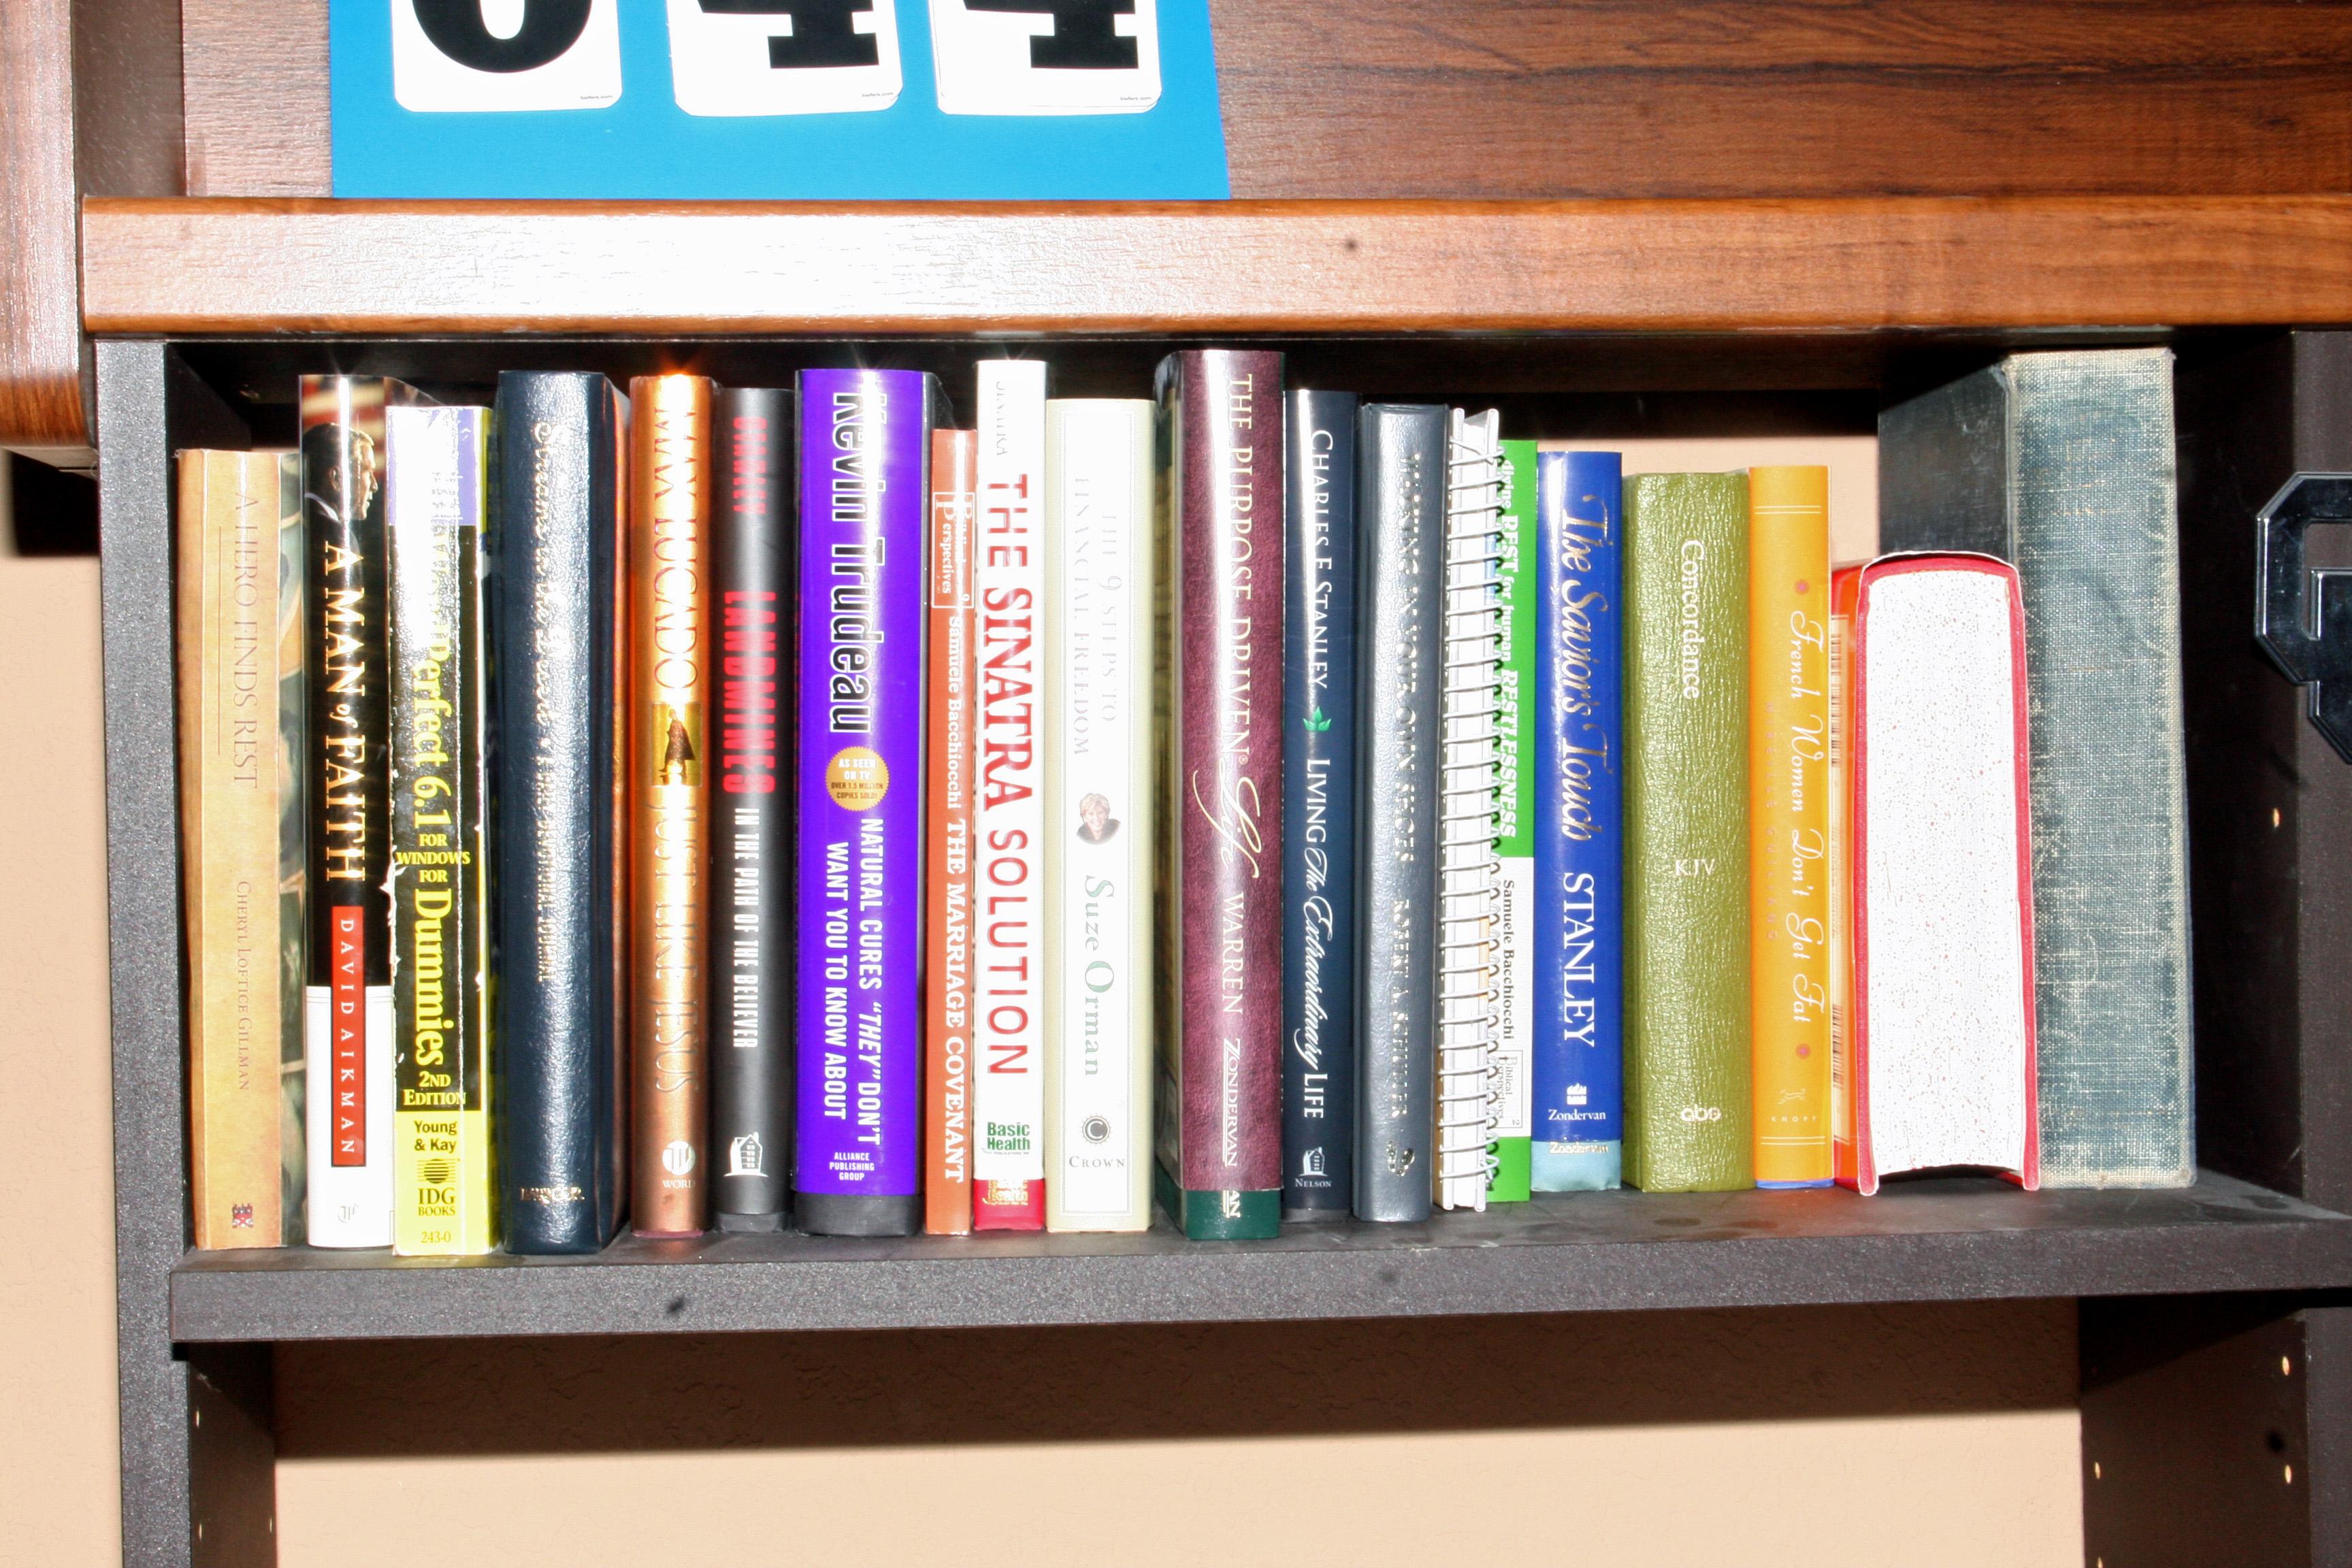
{"type": "Point", "coordinates": [1686, 1021]}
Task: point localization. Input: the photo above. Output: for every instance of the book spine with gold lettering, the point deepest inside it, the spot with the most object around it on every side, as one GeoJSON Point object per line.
{"type": "Point", "coordinates": [1788, 821]}
{"type": "Point", "coordinates": [556, 672]}
{"type": "Point", "coordinates": [669, 829]}
{"type": "Point", "coordinates": [949, 757]}
{"type": "Point", "coordinates": [229, 786]}
{"type": "Point", "coordinates": [437, 482]}
{"type": "Point", "coordinates": [348, 1024]}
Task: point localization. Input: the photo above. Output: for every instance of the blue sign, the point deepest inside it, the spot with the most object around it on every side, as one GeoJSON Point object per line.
{"type": "Point", "coordinates": [777, 100]}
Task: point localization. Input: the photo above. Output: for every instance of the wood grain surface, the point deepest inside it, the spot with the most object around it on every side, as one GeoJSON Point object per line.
{"type": "Point", "coordinates": [223, 267]}
{"type": "Point", "coordinates": [256, 83]}
{"type": "Point", "coordinates": [1614, 98]}
{"type": "Point", "coordinates": [41, 344]}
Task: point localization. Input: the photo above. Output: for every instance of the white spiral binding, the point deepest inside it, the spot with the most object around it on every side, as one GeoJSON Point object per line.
{"type": "Point", "coordinates": [1469, 873]}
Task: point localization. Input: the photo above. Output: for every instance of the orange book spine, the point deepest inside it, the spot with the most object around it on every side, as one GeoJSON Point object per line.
{"type": "Point", "coordinates": [1844, 585]}
{"type": "Point", "coordinates": [669, 826]}
{"type": "Point", "coordinates": [947, 1015]}
{"type": "Point", "coordinates": [1789, 819]}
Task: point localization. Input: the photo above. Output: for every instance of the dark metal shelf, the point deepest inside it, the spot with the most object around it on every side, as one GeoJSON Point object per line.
{"type": "Point", "coordinates": [1952, 1239]}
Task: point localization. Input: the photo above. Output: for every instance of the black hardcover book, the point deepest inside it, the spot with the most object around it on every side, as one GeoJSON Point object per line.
{"type": "Point", "coordinates": [751, 609]}
{"type": "Point", "coordinates": [1401, 494]}
{"type": "Point", "coordinates": [561, 1078]}
{"type": "Point", "coordinates": [347, 1022]}
{"type": "Point", "coordinates": [1318, 808]}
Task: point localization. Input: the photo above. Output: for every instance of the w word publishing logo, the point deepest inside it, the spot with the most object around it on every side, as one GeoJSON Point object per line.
{"type": "Point", "coordinates": [755, 57]}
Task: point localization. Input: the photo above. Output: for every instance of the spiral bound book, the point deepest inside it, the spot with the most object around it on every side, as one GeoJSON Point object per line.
{"type": "Point", "coordinates": [1470, 872]}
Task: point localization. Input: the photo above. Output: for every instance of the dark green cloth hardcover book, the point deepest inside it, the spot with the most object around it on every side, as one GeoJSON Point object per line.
{"type": "Point", "coordinates": [2062, 464]}
{"type": "Point", "coordinates": [1687, 1024]}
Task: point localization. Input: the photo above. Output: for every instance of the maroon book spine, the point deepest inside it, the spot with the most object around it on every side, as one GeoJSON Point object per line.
{"type": "Point", "coordinates": [1221, 654]}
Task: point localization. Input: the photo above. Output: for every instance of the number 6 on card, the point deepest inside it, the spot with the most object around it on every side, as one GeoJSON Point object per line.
{"type": "Point", "coordinates": [783, 56]}
{"type": "Point", "coordinates": [458, 57]}
{"type": "Point", "coordinates": [1046, 56]}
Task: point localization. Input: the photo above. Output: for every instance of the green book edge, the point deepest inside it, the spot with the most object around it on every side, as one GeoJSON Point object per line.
{"type": "Point", "coordinates": [1200, 1213]}
{"type": "Point", "coordinates": [1511, 1158]}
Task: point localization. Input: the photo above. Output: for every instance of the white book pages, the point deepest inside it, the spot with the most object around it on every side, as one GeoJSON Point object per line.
{"type": "Point", "coordinates": [1942, 964]}
{"type": "Point", "coordinates": [1469, 968]}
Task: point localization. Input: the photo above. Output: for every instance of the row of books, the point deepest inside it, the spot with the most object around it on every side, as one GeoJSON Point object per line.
{"type": "Point", "coordinates": [742, 806]}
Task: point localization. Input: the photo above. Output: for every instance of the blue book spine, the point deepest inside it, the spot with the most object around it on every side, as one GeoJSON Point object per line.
{"type": "Point", "coordinates": [1318, 809]}
{"type": "Point", "coordinates": [561, 1090]}
{"type": "Point", "coordinates": [1579, 1015]}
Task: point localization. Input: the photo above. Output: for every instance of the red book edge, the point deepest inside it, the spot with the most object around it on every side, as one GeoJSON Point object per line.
{"type": "Point", "coordinates": [995, 1206]}
{"type": "Point", "coordinates": [1864, 1176]}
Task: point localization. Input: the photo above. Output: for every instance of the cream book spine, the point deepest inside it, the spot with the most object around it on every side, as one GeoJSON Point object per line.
{"type": "Point", "coordinates": [1008, 1100]}
{"type": "Point", "coordinates": [229, 781]}
{"type": "Point", "coordinates": [1098, 814]}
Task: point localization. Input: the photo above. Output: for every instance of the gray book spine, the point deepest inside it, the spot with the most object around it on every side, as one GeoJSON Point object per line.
{"type": "Point", "coordinates": [1401, 501]}
{"type": "Point", "coordinates": [2062, 464]}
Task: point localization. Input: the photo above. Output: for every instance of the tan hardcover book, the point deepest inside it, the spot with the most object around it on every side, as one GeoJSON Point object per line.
{"type": "Point", "coordinates": [229, 780]}
{"type": "Point", "coordinates": [669, 826]}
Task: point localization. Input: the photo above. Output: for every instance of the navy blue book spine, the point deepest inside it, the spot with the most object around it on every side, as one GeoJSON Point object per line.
{"type": "Point", "coordinates": [1318, 808]}
{"type": "Point", "coordinates": [1580, 925]}
{"type": "Point", "coordinates": [557, 1040]}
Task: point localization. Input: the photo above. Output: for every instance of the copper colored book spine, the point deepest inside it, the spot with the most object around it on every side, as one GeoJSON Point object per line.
{"type": "Point", "coordinates": [947, 1014]}
{"type": "Point", "coordinates": [668, 626]}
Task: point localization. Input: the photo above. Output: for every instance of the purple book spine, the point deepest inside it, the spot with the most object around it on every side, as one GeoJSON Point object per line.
{"type": "Point", "coordinates": [865, 436]}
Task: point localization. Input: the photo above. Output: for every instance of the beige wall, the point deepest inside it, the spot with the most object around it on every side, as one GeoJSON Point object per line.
{"type": "Point", "coordinates": [57, 1171]}
{"type": "Point", "coordinates": [1922, 1435]}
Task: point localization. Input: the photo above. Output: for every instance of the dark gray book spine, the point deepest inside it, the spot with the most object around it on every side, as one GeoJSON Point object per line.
{"type": "Point", "coordinates": [755, 436]}
{"type": "Point", "coordinates": [1400, 559]}
{"type": "Point", "coordinates": [561, 1088]}
{"type": "Point", "coordinates": [2062, 464]}
{"type": "Point", "coordinates": [1318, 809]}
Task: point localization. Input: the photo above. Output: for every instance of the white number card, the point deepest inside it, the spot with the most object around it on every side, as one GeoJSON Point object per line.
{"type": "Point", "coordinates": [783, 56]}
{"type": "Point", "coordinates": [460, 57]}
{"type": "Point", "coordinates": [1046, 56]}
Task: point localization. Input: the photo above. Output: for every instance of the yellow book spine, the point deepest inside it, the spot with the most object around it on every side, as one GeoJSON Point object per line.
{"type": "Point", "coordinates": [228, 782]}
{"type": "Point", "coordinates": [1789, 816]}
{"type": "Point", "coordinates": [435, 495]}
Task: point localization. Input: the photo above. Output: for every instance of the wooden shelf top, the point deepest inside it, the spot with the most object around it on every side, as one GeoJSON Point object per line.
{"type": "Point", "coordinates": [1957, 1239]}
{"type": "Point", "coordinates": [224, 267]}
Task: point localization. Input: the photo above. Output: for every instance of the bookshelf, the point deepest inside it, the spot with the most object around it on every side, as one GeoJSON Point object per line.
{"type": "Point", "coordinates": [1901, 265]}
{"type": "Point", "coordinates": [1593, 214]}
{"type": "Point", "coordinates": [1932, 1241]}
